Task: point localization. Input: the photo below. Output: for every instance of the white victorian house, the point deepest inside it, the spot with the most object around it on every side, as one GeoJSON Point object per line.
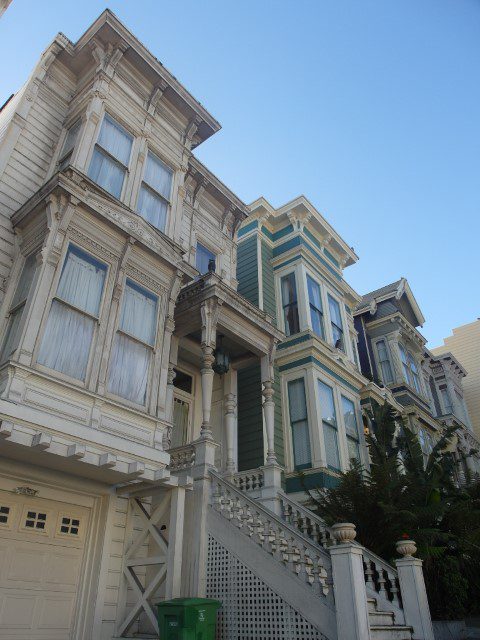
{"type": "Point", "coordinates": [123, 340]}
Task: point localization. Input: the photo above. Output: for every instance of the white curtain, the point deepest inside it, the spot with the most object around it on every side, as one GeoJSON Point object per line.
{"type": "Point", "coordinates": [331, 445]}
{"type": "Point", "coordinates": [114, 139]}
{"type": "Point", "coordinates": [128, 373]}
{"type": "Point", "coordinates": [103, 170]}
{"type": "Point", "coordinates": [349, 417]}
{"type": "Point", "coordinates": [81, 282]}
{"type": "Point", "coordinates": [158, 176]}
{"type": "Point", "coordinates": [68, 335]}
{"type": "Point", "coordinates": [107, 173]}
{"type": "Point", "coordinates": [152, 208]}
{"type": "Point", "coordinates": [66, 342]}
{"type": "Point", "coordinates": [327, 404]}
{"type": "Point", "coordinates": [139, 314]}
{"type": "Point", "coordinates": [130, 361]}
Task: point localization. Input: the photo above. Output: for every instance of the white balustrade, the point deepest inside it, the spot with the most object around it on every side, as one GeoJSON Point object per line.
{"type": "Point", "coordinates": [309, 562]}
{"type": "Point", "coordinates": [249, 481]}
{"type": "Point", "coordinates": [182, 458]}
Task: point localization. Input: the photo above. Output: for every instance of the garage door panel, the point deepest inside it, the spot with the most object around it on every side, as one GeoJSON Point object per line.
{"type": "Point", "coordinates": [17, 610]}
{"type": "Point", "coordinates": [56, 613]}
{"type": "Point", "coordinates": [26, 565]}
{"type": "Point", "coordinates": [41, 554]}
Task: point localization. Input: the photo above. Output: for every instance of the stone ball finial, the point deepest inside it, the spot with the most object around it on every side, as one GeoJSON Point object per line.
{"type": "Point", "coordinates": [343, 532]}
{"type": "Point", "coordinates": [406, 548]}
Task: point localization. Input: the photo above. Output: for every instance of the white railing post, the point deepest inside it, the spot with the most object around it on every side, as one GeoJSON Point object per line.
{"type": "Point", "coordinates": [272, 485]}
{"type": "Point", "coordinates": [349, 585]}
{"type": "Point", "coordinates": [175, 543]}
{"type": "Point", "coordinates": [194, 576]}
{"type": "Point", "coordinates": [413, 592]}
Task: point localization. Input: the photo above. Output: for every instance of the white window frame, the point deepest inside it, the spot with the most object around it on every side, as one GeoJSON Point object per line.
{"type": "Point", "coordinates": [153, 347]}
{"type": "Point", "coordinates": [133, 154]}
{"type": "Point", "coordinates": [188, 398]}
{"type": "Point", "coordinates": [320, 284]}
{"type": "Point", "coordinates": [155, 192]}
{"type": "Point", "coordinates": [98, 320]}
{"type": "Point", "coordinates": [285, 274]}
{"type": "Point", "coordinates": [377, 359]}
{"type": "Point", "coordinates": [298, 375]}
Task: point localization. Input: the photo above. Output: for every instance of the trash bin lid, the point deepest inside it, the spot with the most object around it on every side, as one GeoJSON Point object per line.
{"type": "Point", "coordinates": [190, 602]}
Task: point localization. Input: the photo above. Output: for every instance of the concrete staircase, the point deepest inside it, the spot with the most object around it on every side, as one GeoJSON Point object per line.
{"type": "Point", "coordinates": [382, 624]}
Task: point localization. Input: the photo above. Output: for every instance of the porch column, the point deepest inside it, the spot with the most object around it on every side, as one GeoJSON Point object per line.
{"type": "Point", "coordinates": [269, 416]}
{"type": "Point", "coordinates": [207, 374]}
{"type": "Point", "coordinates": [209, 311]}
{"type": "Point", "coordinates": [230, 404]}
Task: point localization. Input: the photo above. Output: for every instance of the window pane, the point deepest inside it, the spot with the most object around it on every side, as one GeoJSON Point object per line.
{"type": "Point", "coordinates": [139, 313]}
{"type": "Point", "coordinates": [71, 138]}
{"type": "Point", "coordinates": [301, 444]}
{"type": "Point", "coordinates": [290, 307]}
{"type": "Point", "coordinates": [331, 446]}
{"type": "Point", "coordinates": [349, 417]}
{"type": "Point", "coordinates": [202, 258]}
{"type": "Point", "coordinates": [353, 449]}
{"type": "Point", "coordinates": [299, 423]}
{"type": "Point", "coordinates": [152, 208]}
{"type": "Point", "coordinates": [82, 280]}
{"type": "Point", "coordinates": [10, 342]}
{"type": "Point", "coordinates": [107, 173]}
{"type": "Point", "coordinates": [128, 371]}
{"type": "Point", "coordinates": [66, 341]}
{"type": "Point", "coordinates": [158, 176]}
{"type": "Point", "coordinates": [25, 280]}
{"type": "Point", "coordinates": [335, 315]}
{"type": "Point", "coordinates": [327, 405]}
{"type": "Point", "coordinates": [296, 400]}
{"type": "Point", "coordinates": [314, 293]}
{"type": "Point", "coordinates": [315, 307]}
{"type": "Point", "coordinates": [289, 289]}
{"type": "Point", "coordinates": [114, 139]}
{"type": "Point", "coordinates": [387, 375]}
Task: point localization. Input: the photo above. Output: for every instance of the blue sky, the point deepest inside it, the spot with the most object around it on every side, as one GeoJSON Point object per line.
{"type": "Point", "coordinates": [370, 108]}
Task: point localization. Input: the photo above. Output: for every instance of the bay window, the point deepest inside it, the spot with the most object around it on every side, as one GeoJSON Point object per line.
{"type": "Point", "coordinates": [299, 424]}
{"type": "Point", "coordinates": [17, 306]}
{"type": "Point", "coordinates": [202, 258]}
{"type": "Point", "coordinates": [290, 304]}
{"type": "Point", "coordinates": [316, 311]}
{"type": "Point", "coordinates": [154, 197]}
{"type": "Point", "coordinates": [133, 344]}
{"type": "Point", "coordinates": [329, 425]}
{"type": "Point", "coordinates": [384, 362]}
{"type": "Point", "coordinates": [73, 315]}
{"type": "Point", "coordinates": [336, 323]}
{"type": "Point", "coordinates": [414, 372]}
{"type": "Point", "coordinates": [351, 428]}
{"type": "Point", "coordinates": [404, 358]}
{"type": "Point", "coordinates": [111, 155]}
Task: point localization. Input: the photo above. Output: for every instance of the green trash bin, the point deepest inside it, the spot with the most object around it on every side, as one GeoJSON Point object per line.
{"type": "Point", "coordinates": [188, 619]}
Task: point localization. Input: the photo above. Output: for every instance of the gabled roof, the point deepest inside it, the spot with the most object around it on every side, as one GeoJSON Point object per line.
{"type": "Point", "coordinates": [302, 209]}
{"type": "Point", "coordinates": [109, 29]}
{"type": "Point", "coordinates": [394, 290]}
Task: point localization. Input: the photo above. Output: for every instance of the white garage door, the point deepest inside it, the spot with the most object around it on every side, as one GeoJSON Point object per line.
{"type": "Point", "coordinates": [41, 549]}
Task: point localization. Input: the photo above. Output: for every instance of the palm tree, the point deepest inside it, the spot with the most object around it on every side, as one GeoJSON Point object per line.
{"type": "Point", "coordinates": [401, 494]}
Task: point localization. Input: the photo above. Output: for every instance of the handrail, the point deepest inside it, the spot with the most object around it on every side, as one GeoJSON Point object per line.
{"type": "Point", "coordinates": [308, 561]}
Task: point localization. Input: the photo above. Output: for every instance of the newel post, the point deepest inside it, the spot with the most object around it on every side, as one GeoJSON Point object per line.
{"type": "Point", "coordinates": [351, 605]}
{"type": "Point", "coordinates": [413, 591]}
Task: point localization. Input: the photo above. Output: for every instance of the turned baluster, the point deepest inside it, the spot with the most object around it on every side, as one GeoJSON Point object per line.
{"type": "Point", "coordinates": [369, 574]}
{"type": "Point", "coordinates": [381, 583]}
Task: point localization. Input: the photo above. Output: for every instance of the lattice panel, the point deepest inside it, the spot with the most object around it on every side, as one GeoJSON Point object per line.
{"type": "Point", "coordinates": [251, 609]}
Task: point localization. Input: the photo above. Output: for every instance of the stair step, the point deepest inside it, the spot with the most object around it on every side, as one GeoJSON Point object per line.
{"type": "Point", "coordinates": [381, 618]}
{"type": "Point", "coordinates": [391, 632]}
{"type": "Point", "coordinates": [372, 604]}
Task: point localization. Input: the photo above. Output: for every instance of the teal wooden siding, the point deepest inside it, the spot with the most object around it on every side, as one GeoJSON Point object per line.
{"type": "Point", "coordinates": [268, 282]}
{"type": "Point", "coordinates": [250, 420]}
{"type": "Point", "coordinates": [247, 269]}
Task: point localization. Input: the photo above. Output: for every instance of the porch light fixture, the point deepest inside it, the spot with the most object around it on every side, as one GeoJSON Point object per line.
{"type": "Point", "coordinates": [222, 359]}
